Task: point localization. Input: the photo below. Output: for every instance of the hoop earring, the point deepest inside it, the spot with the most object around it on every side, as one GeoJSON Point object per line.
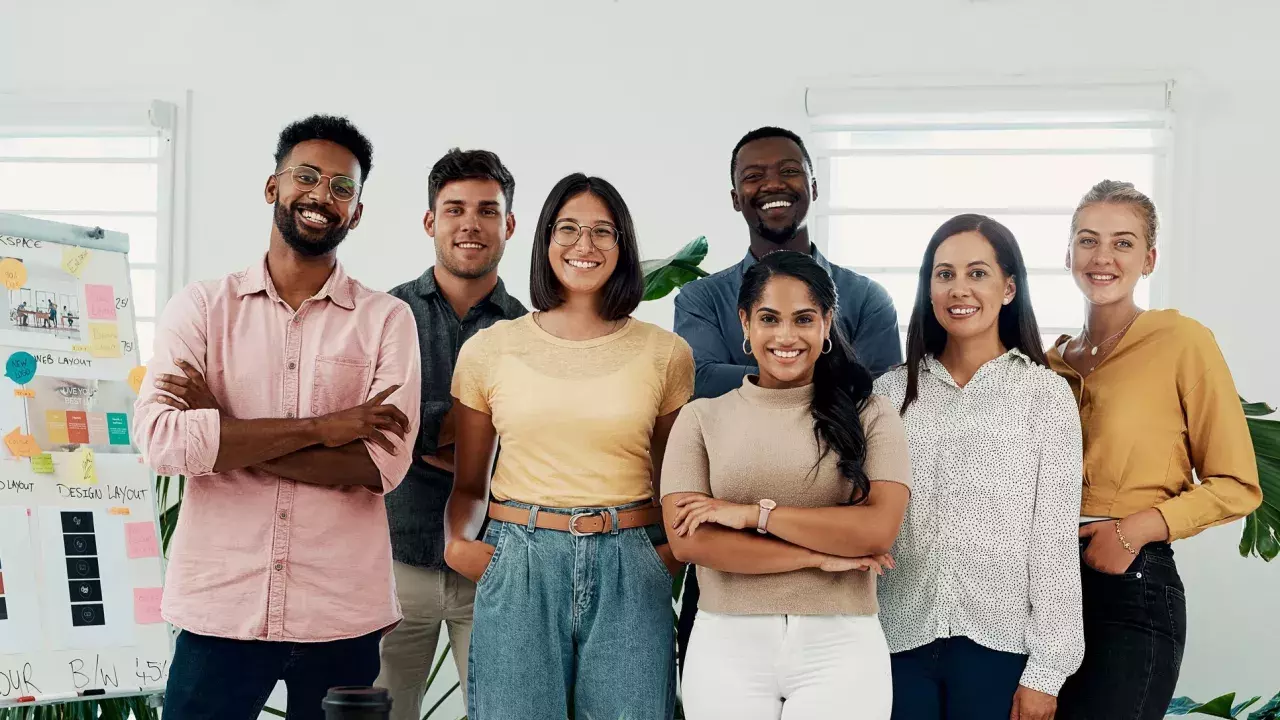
{"type": "Point", "coordinates": [826, 346]}
{"type": "Point", "coordinates": [746, 349]}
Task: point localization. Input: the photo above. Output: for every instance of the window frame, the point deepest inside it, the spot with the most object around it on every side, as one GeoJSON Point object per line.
{"type": "Point", "coordinates": [914, 108]}
{"type": "Point", "coordinates": [100, 116]}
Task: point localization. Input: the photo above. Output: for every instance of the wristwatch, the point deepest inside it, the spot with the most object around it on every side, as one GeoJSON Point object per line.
{"type": "Point", "coordinates": [765, 506]}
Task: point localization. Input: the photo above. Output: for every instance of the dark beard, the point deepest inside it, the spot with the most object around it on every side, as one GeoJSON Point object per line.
{"type": "Point", "coordinates": [288, 227]}
{"type": "Point", "coordinates": [777, 237]}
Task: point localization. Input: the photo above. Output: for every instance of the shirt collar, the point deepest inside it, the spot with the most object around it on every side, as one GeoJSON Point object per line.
{"type": "Point", "coordinates": [934, 366]}
{"type": "Point", "coordinates": [818, 257]}
{"type": "Point", "coordinates": [337, 288]}
{"type": "Point", "coordinates": [426, 286]}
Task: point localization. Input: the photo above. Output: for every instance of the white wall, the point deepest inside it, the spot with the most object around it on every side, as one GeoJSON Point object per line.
{"type": "Point", "coordinates": [652, 94]}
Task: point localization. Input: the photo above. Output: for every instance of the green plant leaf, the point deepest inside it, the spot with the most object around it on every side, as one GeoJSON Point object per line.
{"type": "Point", "coordinates": [1270, 711]}
{"type": "Point", "coordinates": [1241, 706]}
{"type": "Point", "coordinates": [1257, 409]}
{"type": "Point", "coordinates": [1219, 707]}
{"type": "Point", "coordinates": [1181, 706]}
{"type": "Point", "coordinates": [666, 274]}
{"type": "Point", "coordinates": [1262, 528]}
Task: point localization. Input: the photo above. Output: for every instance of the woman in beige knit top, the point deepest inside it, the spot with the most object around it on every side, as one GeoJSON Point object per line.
{"type": "Point", "coordinates": [786, 493]}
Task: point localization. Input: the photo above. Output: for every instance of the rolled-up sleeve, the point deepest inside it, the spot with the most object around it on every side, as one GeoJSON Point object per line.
{"type": "Point", "coordinates": [173, 441]}
{"type": "Point", "coordinates": [399, 363]}
{"type": "Point", "coordinates": [1055, 635]}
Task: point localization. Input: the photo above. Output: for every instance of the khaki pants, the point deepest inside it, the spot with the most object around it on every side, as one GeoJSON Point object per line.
{"type": "Point", "coordinates": [427, 598]}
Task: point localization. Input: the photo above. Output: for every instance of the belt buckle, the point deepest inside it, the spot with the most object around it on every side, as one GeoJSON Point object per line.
{"type": "Point", "coordinates": [573, 524]}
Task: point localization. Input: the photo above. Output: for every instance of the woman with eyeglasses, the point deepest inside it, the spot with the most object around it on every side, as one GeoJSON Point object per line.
{"type": "Point", "coordinates": [982, 612]}
{"type": "Point", "coordinates": [1157, 402]}
{"type": "Point", "coordinates": [785, 494]}
{"type": "Point", "coordinates": [573, 597]}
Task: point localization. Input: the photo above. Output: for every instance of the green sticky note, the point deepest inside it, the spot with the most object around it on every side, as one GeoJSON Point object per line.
{"type": "Point", "coordinates": [42, 463]}
{"type": "Point", "coordinates": [118, 428]}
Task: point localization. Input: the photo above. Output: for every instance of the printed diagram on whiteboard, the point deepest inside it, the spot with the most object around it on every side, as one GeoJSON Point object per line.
{"type": "Point", "coordinates": [47, 304]}
{"type": "Point", "coordinates": [65, 414]}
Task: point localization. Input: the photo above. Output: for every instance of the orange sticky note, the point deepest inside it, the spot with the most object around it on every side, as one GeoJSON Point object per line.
{"type": "Point", "coordinates": [24, 393]}
{"type": "Point", "coordinates": [13, 274]}
{"type": "Point", "coordinates": [118, 511]}
{"type": "Point", "coordinates": [135, 378]}
{"type": "Point", "coordinates": [146, 605]}
{"type": "Point", "coordinates": [140, 540]}
{"type": "Point", "coordinates": [21, 445]}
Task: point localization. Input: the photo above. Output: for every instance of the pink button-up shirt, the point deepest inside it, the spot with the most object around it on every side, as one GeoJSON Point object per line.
{"type": "Point", "coordinates": [257, 556]}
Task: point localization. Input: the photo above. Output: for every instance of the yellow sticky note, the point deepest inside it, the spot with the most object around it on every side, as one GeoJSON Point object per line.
{"type": "Point", "coordinates": [13, 273]}
{"type": "Point", "coordinates": [104, 340]}
{"type": "Point", "coordinates": [74, 259]}
{"type": "Point", "coordinates": [42, 464]}
{"type": "Point", "coordinates": [79, 348]}
{"type": "Point", "coordinates": [24, 393]}
{"type": "Point", "coordinates": [135, 378]}
{"type": "Point", "coordinates": [84, 473]}
{"type": "Point", "coordinates": [21, 445]}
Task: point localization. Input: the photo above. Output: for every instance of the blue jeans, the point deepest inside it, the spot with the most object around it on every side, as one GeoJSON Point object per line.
{"type": "Point", "coordinates": [1135, 629]}
{"type": "Point", "coordinates": [955, 679]}
{"type": "Point", "coordinates": [214, 678]}
{"type": "Point", "coordinates": [564, 622]}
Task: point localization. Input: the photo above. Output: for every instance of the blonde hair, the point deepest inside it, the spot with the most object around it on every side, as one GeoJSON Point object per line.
{"type": "Point", "coordinates": [1121, 193]}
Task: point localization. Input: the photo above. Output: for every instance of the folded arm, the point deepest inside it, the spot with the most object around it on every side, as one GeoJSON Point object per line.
{"type": "Point", "coordinates": [846, 530]}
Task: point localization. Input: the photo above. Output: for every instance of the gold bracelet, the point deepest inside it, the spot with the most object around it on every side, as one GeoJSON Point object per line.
{"type": "Point", "coordinates": [1124, 542]}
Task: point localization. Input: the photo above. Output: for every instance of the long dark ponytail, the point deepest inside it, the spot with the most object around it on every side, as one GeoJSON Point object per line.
{"type": "Point", "coordinates": [841, 386]}
{"type": "Point", "coordinates": [1017, 321]}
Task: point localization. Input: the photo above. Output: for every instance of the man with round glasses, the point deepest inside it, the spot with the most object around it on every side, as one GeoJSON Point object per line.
{"type": "Point", "coordinates": [288, 394]}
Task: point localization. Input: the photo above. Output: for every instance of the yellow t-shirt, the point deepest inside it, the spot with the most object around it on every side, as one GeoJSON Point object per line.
{"type": "Point", "coordinates": [574, 417]}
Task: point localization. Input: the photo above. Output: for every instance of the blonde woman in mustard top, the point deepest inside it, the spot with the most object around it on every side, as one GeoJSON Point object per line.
{"type": "Point", "coordinates": [1156, 403]}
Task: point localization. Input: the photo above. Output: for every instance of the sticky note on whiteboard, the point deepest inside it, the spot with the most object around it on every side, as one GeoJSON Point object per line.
{"type": "Point", "coordinates": [146, 605]}
{"type": "Point", "coordinates": [140, 540]}
{"type": "Point", "coordinates": [74, 259]}
{"type": "Point", "coordinates": [104, 339]}
{"type": "Point", "coordinates": [101, 302]}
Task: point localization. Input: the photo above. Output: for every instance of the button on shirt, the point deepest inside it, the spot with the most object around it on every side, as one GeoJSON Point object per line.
{"type": "Point", "coordinates": [989, 549]}
{"type": "Point", "coordinates": [416, 509]}
{"type": "Point", "coordinates": [707, 319]}
{"type": "Point", "coordinates": [256, 556]}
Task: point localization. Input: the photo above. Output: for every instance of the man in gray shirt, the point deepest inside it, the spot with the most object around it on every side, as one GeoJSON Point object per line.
{"type": "Point", "coordinates": [470, 218]}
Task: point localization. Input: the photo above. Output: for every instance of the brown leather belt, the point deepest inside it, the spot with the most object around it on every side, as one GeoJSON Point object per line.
{"type": "Point", "coordinates": [583, 523]}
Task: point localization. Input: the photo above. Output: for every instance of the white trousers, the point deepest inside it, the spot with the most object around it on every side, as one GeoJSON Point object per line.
{"type": "Point", "coordinates": [787, 667]}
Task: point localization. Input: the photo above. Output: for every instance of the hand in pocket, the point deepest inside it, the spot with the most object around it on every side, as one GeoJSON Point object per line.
{"type": "Point", "coordinates": [470, 559]}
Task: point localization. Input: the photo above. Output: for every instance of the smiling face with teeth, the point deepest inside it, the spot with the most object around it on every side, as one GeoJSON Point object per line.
{"type": "Point", "coordinates": [786, 331]}
{"type": "Point", "coordinates": [583, 268]}
{"type": "Point", "coordinates": [313, 222]}
{"type": "Point", "coordinates": [773, 188]}
{"type": "Point", "coordinates": [1109, 253]}
{"type": "Point", "coordinates": [968, 289]}
{"type": "Point", "coordinates": [471, 226]}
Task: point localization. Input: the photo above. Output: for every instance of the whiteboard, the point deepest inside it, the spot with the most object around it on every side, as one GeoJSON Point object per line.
{"type": "Point", "coordinates": [80, 566]}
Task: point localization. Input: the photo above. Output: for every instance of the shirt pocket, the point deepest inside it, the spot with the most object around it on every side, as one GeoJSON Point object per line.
{"type": "Point", "coordinates": [340, 383]}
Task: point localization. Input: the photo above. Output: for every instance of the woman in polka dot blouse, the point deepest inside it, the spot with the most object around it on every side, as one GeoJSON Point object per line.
{"type": "Point", "coordinates": [983, 611]}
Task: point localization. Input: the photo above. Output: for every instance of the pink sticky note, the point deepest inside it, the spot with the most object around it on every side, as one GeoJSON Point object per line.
{"type": "Point", "coordinates": [101, 300]}
{"type": "Point", "coordinates": [146, 605]}
{"type": "Point", "coordinates": [140, 538]}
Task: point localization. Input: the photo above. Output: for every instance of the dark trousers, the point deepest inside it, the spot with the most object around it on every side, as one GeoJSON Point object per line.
{"type": "Point", "coordinates": [1135, 628]}
{"type": "Point", "coordinates": [219, 679]}
{"type": "Point", "coordinates": [955, 679]}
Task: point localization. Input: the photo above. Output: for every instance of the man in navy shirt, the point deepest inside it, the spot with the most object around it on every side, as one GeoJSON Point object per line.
{"type": "Point", "coordinates": [773, 188]}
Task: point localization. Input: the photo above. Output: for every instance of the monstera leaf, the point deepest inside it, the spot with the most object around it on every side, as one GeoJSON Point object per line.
{"type": "Point", "coordinates": [1226, 706]}
{"type": "Point", "coordinates": [1261, 535]}
{"type": "Point", "coordinates": [663, 276]}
